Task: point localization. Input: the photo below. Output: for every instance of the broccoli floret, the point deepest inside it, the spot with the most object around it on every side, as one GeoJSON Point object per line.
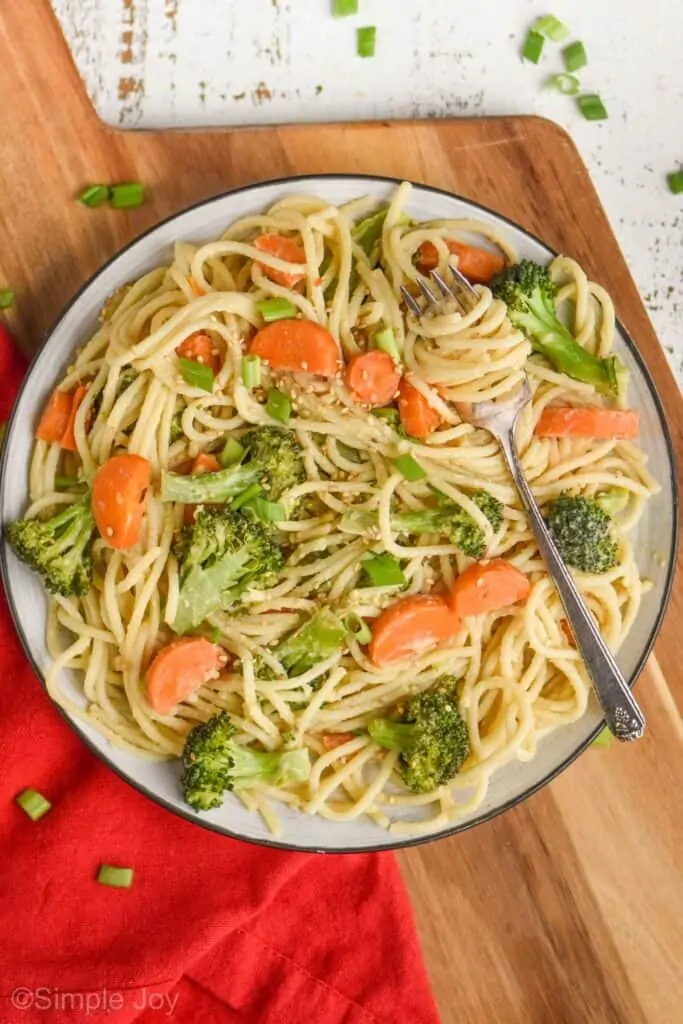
{"type": "Point", "coordinates": [447, 517]}
{"type": "Point", "coordinates": [529, 293]}
{"type": "Point", "coordinates": [314, 641]}
{"type": "Point", "coordinates": [582, 531]}
{"type": "Point", "coordinates": [220, 555]}
{"type": "Point", "coordinates": [432, 739]}
{"type": "Point", "coordinates": [273, 459]}
{"type": "Point", "coordinates": [614, 500]}
{"type": "Point", "coordinates": [59, 548]}
{"type": "Point", "coordinates": [213, 763]}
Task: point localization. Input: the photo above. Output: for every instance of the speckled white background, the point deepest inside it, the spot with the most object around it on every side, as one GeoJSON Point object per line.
{"type": "Point", "coordinates": [176, 63]}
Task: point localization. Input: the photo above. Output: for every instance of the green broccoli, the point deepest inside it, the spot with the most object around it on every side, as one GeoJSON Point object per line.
{"type": "Point", "coordinates": [431, 736]}
{"type": "Point", "coordinates": [58, 548]}
{"type": "Point", "coordinates": [529, 293]}
{"type": "Point", "coordinates": [213, 763]}
{"type": "Point", "coordinates": [614, 500]}
{"type": "Point", "coordinates": [273, 459]}
{"type": "Point", "coordinates": [314, 641]}
{"type": "Point", "coordinates": [447, 517]}
{"type": "Point", "coordinates": [582, 531]}
{"type": "Point", "coordinates": [221, 554]}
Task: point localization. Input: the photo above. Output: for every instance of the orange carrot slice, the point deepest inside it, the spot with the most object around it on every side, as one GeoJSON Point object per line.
{"type": "Point", "coordinates": [487, 586]}
{"type": "Point", "coordinates": [417, 416]}
{"type": "Point", "coordinates": [299, 346]}
{"type": "Point", "coordinates": [372, 377]}
{"type": "Point", "coordinates": [68, 441]}
{"type": "Point", "coordinates": [200, 348]}
{"type": "Point", "coordinates": [55, 418]}
{"type": "Point", "coordinates": [410, 626]}
{"type": "Point", "coordinates": [282, 248]}
{"type": "Point", "coordinates": [179, 669]}
{"type": "Point", "coordinates": [118, 499]}
{"type": "Point", "coordinates": [478, 265]}
{"type": "Point", "coordinates": [588, 421]}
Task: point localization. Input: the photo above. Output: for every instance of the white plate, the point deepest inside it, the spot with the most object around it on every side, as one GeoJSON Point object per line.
{"type": "Point", "coordinates": [655, 542]}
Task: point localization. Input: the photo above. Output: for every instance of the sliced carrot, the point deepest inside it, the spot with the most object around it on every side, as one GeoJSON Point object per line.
{"type": "Point", "coordinates": [55, 418]}
{"type": "Point", "coordinates": [204, 462]}
{"type": "Point", "coordinates": [68, 441]}
{"type": "Point", "coordinates": [297, 345]}
{"type": "Point", "coordinates": [201, 349]}
{"type": "Point", "coordinates": [332, 740]}
{"type": "Point", "coordinates": [180, 668]}
{"type": "Point", "coordinates": [372, 377]}
{"type": "Point", "coordinates": [118, 499]}
{"type": "Point", "coordinates": [588, 421]}
{"type": "Point", "coordinates": [487, 586]}
{"type": "Point", "coordinates": [410, 626]}
{"type": "Point", "coordinates": [283, 248]}
{"type": "Point", "coordinates": [478, 265]}
{"type": "Point", "coordinates": [417, 416]}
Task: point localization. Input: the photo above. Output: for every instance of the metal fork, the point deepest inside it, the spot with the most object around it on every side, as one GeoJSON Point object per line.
{"type": "Point", "coordinates": [622, 714]}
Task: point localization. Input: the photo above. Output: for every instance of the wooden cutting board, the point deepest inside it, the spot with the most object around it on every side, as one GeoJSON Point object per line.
{"type": "Point", "coordinates": [569, 908]}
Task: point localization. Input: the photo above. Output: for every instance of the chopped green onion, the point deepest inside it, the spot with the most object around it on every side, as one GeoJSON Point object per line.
{"type": "Point", "coordinates": [366, 40]}
{"type": "Point", "coordinates": [552, 28]}
{"type": "Point", "coordinates": [69, 483]}
{"type": "Point", "coordinates": [592, 107]}
{"type": "Point", "coordinates": [278, 406]}
{"type": "Point", "coordinates": [603, 739]}
{"type": "Point", "coordinates": [409, 468]}
{"type": "Point", "coordinates": [232, 452]}
{"type": "Point", "coordinates": [386, 341]}
{"type": "Point", "coordinates": [267, 511]}
{"type": "Point", "coordinates": [197, 375]}
{"type": "Point", "coordinates": [574, 56]}
{"type": "Point", "coordinates": [251, 371]}
{"type": "Point", "coordinates": [118, 878]}
{"type": "Point", "coordinates": [533, 47]}
{"type": "Point", "coordinates": [384, 571]}
{"type": "Point", "coordinates": [344, 8]}
{"type": "Point", "coordinates": [252, 491]}
{"type": "Point", "coordinates": [6, 298]}
{"type": "Point", "coordinates": [215, 635]}
{"type": "Point", "coordinates": [675, 180]}
{"type": "Point", "coordinates": [95, 195]}
{"type": "Point", "coordinates": [390, 415]}
{"type": "Point", "coordinates": [33, 803]}
{"type": "Point", "coordinates": [127, 196]}
{"type": "Point", "coordinates": [568, 85]}
{"type": "Point", "coordinates": [276, 309]}
{"type": "Point", "coordinates": [358, 628]}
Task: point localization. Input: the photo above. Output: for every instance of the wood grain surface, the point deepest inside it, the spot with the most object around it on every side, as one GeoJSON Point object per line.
{"type": "Point", "coordinates": [569, 908]}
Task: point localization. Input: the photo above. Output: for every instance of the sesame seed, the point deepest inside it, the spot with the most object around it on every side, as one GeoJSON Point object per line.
{"type": "Point", "coordinates": [118, 498]}
{"type": "Point", "coordinates": [109, 532]}
{"type": "Point", "coordinates": [304, 365]}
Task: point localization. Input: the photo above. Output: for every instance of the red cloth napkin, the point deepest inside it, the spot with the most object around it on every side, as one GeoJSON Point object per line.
{"type": "Point", "coordinates": [212, 930]}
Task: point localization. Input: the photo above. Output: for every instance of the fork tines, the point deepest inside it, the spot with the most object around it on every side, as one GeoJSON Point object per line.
{"type": "Point", "coordinates": [432, 299]}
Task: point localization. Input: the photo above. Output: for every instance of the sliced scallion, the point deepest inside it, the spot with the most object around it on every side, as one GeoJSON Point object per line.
{"type": "Point", "coordinates": [232, 453]}
{"type": "Point", "coordinates": [95, 195]}
{"type": "Point", "coordinates": [197, 375]}
{"type": "Point", "coordinates": [251, 371]}
{"type": "Point", "coordinates": [6, 298]}
{"type": "Point", "coordinates": [592, 107]}
{"type": "Point", "coordinates": [276, 309]}
{"type": "Point", "coordinates": [386, 341]}
{"type": "Point", "coordinates": [390, 415]}
{"type": "Point", "coordinates": [568, 85]}
{"type": "Point", "coordinates": [128, 195]}
{"type": "Point", "coordinates": [552, 28]}
{"type": "Point", "coordinates": [533, 47]}
{"type": "Point", "coordinates": [366, 41]}
{"type": "Point", "coordinates": [409, 468]}
{"type": "Point", "coordinates": [267, 511]}
{"type": "Point", "coordinates": [33, 803]}
{"type": "Point", "coordinates": [117, 878]}
{"type": "Point", "coordinates": [358, 628]}
{"type": "Point", "coordinates": [384, 571]}
{"type": "Point", "coordinates": [278, 406]}
{"type": "Point", "coordinates": [675, 182]}
{"type": "Point", "coordinates": [252, 491]}
{"type": "Point", "coordinates": [574, 56]}
{"type": "Point", "coordinates": [215, 635]}
{"type": "Point", "coordinates": [344, 8]}
{"type": "Point", "coordinates": [604, 738]}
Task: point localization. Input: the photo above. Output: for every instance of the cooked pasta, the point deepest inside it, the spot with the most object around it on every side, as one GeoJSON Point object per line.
{"type": "Point", "coordinates": [519, 677]}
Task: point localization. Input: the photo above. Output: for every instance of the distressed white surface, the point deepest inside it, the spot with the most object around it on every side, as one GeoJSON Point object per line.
{"type": "Point", "coordinates": [163, 63]}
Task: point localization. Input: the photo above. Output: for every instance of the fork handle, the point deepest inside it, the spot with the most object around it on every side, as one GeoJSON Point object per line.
{"type": "Point", "coordinates": [622, 714]}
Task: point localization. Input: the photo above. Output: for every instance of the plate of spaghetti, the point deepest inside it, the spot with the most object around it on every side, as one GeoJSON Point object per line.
{"type": "Point", "coordinates": [259, 560]}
